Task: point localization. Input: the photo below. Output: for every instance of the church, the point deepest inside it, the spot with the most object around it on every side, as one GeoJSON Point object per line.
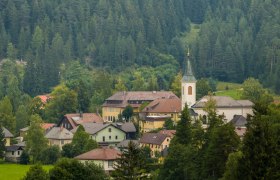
{"type": "Point", "coordinates": [225, 105]}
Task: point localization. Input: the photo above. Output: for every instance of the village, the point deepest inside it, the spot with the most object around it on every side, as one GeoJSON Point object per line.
{"type": "Point", "coordinates": [140, 117]}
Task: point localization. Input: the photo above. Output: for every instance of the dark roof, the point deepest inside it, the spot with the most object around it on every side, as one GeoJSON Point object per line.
{"type": "Point", "coordinates": [13, 148]}
{"type": "Point", "coordinates": [100, 154]}
{"type": "Point", "coordinates": [171, 105]}
{"type": "Point", "coordinates": [239, 121]}
{"type": "Point", "coordinates": [223, 102]}
{"type": "Point", "coordinates": [169, 133]}
{"type": "Point", "coordinates": [122, 98]}
{"type": "Point", "coordinates": [188, 74]}
{"type": "Point", "coordinates": [153, 138]}
{"type": "Point", "coordinates": [124, 143]}
{"type": "Point", "coordinates": [7, 133]}
{"type": "Point", "coordinates": [59, 133]}
{"type": "Point", "coordinates": [77, 118]}
{"type": "Point", "coordinates": [127, 127]}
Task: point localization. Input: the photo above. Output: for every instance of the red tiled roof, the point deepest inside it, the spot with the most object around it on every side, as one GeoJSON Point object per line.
{"type": "Point", "coordinates": [76, 119]}
{"type": "Point", "coordinates": [169, 133]}
{"type": "Point", "coordinates": [100, 154]}
{"type": "Point", "coordinates": [46, 126]}
{"type": "Point", "coordinates": [44, 98]}
{"type": "Point", "coordinates": [172, 105]}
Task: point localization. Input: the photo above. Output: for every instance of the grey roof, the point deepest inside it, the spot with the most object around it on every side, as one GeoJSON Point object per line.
{"type": "Point", "coordinates": [22, 144]}
{"type": "Point", "coordinates": [93, 128]}
{"type": "Point", "coordinates": [13, 148]}
{"type": "Point", "coordinates": [188, 74]}
{"type": "Point", "coordinates": [239, 121]}
{"type": "Point", "coordinates": [127, 127]}
{"type": "Point", "coordinates": [223, 102]}
{"type": "Point", "coordinates": [153, 138]}
{"type": "Point", "coordinates": [24, 129]}
{"type": "Point", "coordinates": [124, 143]}
{"type": "Point", "coordinates": [59, 133]}
{"type": "Point", "coordinates": [7, 133]}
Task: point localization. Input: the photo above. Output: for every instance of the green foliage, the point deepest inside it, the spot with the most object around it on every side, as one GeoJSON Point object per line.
{"type": "Point", "coordinates": [24, 157]}
{"type": "Point", "coordinates": [71, 169]}
{"type": "Point", "coordinates": [63, 101]}
{"type": "Point", "coordinates": [2, 142]}
{"type": "Point", "coordinates": [202, 88]}
{"type": "Point", "coordinates": [127, 112]}
{"type": "Point", "coordinates": [7, 118]}
{"type": "Point", "coordinates": [168, 124]}
{"type": "Point", "coordinates": [22, 117]}
{"type": "Point", "coordinates": [231, 172]}
{"type": "Point", "coordinates": [36, 172]}
{"type": "Point", "coordinates": [183, 128]}
{"type": "Point", "coordinates": [35, 138]}
{"type": "Point", "coordinates": [50, 155]}
{"type": "Point", "coordinates": [176, 84]}
{"type": "Point", "coordinates": [131, 164]}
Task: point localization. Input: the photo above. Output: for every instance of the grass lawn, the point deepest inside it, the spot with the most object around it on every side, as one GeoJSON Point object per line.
{"type": "Point", "coordinates": [15, 171]}
{"type": "Point", "coordinates": [234, 93]}
{"type": "Point", "coordinates": [222, 86]}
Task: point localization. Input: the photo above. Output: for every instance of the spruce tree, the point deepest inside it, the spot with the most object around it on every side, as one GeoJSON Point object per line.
{"type": "Point", "coordinates": [2, 142]}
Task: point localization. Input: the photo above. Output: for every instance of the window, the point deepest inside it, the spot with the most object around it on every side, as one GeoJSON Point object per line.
{"type": "Point", "coordinates": [110, 137]}
{"type": "Point", "coordinates": [167, 139]}
{"type": "Point", "coordinates": [62, 141]}
{"type": "Point", "coordinates": [183, 90]}
{"type": "Point", "coordinates": [110, 130]}
{"type": "Point", "coordinates": [189, 90]}
{"type": "Point", "coordinates": [116, 137]}
{"type": "Point", "coordinates": [110, 164]}
{"type": "Point", "coordinates": [103, 138]}
{"type": "Point", "coordinates": [18, 152]}
{"type": "Point", "coordinates": [13, 152]}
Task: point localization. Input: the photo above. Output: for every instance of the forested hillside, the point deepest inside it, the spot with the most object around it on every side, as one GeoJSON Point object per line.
{"type": "Point", "coordinates": [236, 39]}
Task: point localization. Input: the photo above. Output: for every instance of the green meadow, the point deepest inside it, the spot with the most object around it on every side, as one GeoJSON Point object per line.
{"type": "Point", "coordinates": [15, 171]}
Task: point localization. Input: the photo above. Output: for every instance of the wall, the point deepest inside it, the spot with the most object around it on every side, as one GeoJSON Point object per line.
{"type": "Point", "coordinates": [157, 148]}
{"type": "Point", "coordinates": [98, 137]}
{"type": "Point", "coordinates": [59, 142]}
{"type": "Point", "coordinates": [147, 126]}
{"type": "Point", "coordinates": [110, 113]}
{"type": "Point", "coordinates": [101, 163]}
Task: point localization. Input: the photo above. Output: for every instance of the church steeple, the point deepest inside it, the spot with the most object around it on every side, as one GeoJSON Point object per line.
{"type": "Point", "coordinates": [188, 74]}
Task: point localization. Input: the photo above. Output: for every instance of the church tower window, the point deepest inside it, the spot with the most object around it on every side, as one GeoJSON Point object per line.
{"type": "Point", "coordinates": [189, 90]}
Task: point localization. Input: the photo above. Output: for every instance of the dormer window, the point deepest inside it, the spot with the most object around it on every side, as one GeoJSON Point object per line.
{"type": "Point", "coordinates": [110, 130]}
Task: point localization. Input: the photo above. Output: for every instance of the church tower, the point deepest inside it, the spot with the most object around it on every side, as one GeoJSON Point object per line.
{"type": "Point", "coordinates": [188, 85]}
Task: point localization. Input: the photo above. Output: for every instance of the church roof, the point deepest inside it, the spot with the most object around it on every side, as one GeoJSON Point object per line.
{"type": "Point", "coordinates": [188, 74]}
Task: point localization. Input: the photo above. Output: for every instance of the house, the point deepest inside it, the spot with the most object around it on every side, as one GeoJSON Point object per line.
{"type": "Point", "coordinates": [225, 106]}
{"type": "Point", "coordinates": [45, 126]}
{"type": "Point", "coordinates": [151, 123]}
{"type": "Point", "coordinates": [71, 121]}
{"type": "Point", "coordinates": [157, 142]}
{"type": "Point", "coordinates": [105, 134]}
{"type": "Point", "coordinates": [128, 128]}
{"type": "Point", "coordinates": [239, 122]}
{"type": "Point", "coordinates": [114, 105]}
{"type": "Point", "coordinates": [104, 157]}
{"type": "Point", "coordinates": [44, 98]}
{"type": "Point", "coordinates": [59, 136]}
{"type": "Point", "coordinates": [163, 107]}
{"type": "Point", "coordinates": [13, 153]}
{"type": "Point", "coordinates": [7, 136]}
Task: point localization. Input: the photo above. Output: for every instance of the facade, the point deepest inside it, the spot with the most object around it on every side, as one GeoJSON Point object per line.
{"type": "Point", "coordinates": [71, 121]}
{"type": "Point", "coordinates": [239, 122]}
{"type": "Point", "coordinates": [104, 157]}
{"type": "Point", "coordinates": [104, 134]}
{"type": "Point", "coordinates": [225, 106]}
{"type": "Point", "coordinates": [151, 123]}
{"type": "Point", "coordinates": [157, 142]}
{"type": "Point", "coordinates": [59, 136]}
{"type": "Point", "coordinates": [114, 105]}
{"type": "Point", "coordinates": [8, 136]}
{"type": "Point", "coordinates": [163, 107]}
{"type": "Point", "coordinates": [13, 153]}
{"type": "Point", "coordinates": [188, 86]}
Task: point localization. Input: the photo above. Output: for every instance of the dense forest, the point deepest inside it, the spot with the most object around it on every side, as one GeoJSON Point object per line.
{"type": "Point", "coordinates": [235, 39]}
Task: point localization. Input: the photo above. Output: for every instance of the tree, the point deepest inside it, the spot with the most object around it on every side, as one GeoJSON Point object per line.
{"type": "Point", "coordinates": [127, 112]}
{"type": "Point", "coordinates": [24, 157]}
{"type": "Point", "coordinates": [168, 124]}
{"type": "Point", "coordinates": [63, 101]}
{"type": "Point", "coordinates": [176, 84]}
{"type": "Point", "coordinates": [22, 117]}
{"type": "Point", "coordinates": [35, 138]}
{"type": "Point", "coordinates": [2, 142]}
{"type": "Point", "coordinates": [7, 118]}
{"type": "Point", "coordinates": [202, 87]}
{"type": "Point", "coordinates": [183, 129]}
{"type": "Point", "coordinates": [231, 172]}
{"type": "Point", "coordinates": [71, 169]}
{"type": "Point", "coordinates": [36, 172]}
{"type": "Point", "coordinates": [131, 163]}
{"type": "Point", "coordinates": [50, 155]}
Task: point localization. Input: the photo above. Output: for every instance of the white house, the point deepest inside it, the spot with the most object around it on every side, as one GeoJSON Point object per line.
{"type": "Point", "coordinates": [13, 153]}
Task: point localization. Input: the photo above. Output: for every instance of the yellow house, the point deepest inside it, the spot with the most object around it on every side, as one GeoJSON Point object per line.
{"type": "Point", "coordinates": [152, 123]}
{"type": "Point", "coordinates": [114, 105]}
{"type": "Point", "coordinates": [7, 135]}
{"type": "Point", "coordinates": [157, 142]}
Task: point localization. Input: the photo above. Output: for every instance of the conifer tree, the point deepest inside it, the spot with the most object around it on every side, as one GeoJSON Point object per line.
{"type": "Point", "coordinates": [2, 142]}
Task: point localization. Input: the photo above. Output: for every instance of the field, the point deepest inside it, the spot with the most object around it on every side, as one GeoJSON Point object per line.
{"type": "Point", "coordinates": [233, 90]}
{"type": "Point", "coordinates": [15, 171]}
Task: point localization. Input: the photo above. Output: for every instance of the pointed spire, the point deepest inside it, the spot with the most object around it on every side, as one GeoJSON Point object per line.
{"type": "Point", "coordinates": [188, 74]}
